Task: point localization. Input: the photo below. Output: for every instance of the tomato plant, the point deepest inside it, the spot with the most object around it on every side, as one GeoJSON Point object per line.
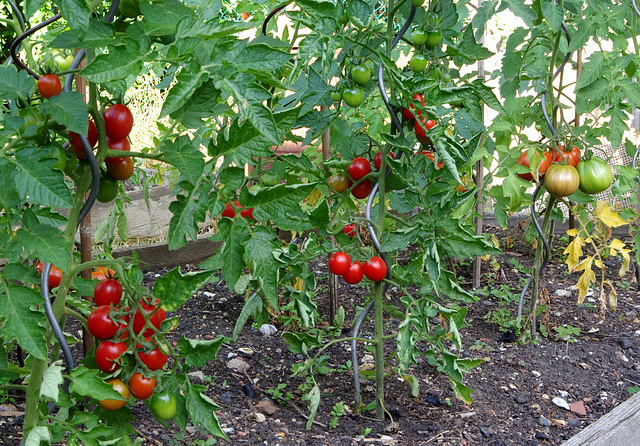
{"type": "Point", "coordinates": [561, 180]}
{"type": "Point", "coordinates": [354, 274]}
{"type": "Point", "coordinates": [339, 263]}
{"type": "Point", "coordinates": [107, 292]}
{"type": "Point", "coordinates": [595, 175]}
{"type": "Point", "coordinates": [76, 145]}
{"type": "Point", "coordinates": [49, 85]}
{"type": "Point", "coordinates": [117, 144]}
{"type": "Point", "coordinates": [107, 354]}
{"type": "Point", "coordinates": [377, 159]}
{"type": "Point", "coordinates": [410, 113]}
{"type": "Point", "coordinates": [247, 213]}
{"type": "Point", "coordinates": [571, 157]}
{"type": "Point", "coordinates": [359, 168]}
{"type": "Point", "coordinates": [375, 269]}
{"type": "Point", "coordinates": [429, 154]}
{"type": "Point", "coordinates": [353, 96]}
{"type": "Point", "coordinates": [100, 324]}
{"type": "Point", "coordinates": [523, 160]}
{"type": "Point", "coordinates": [350, 230]}
{"type": "Point", "coordinates": [229, 211]}
{"type": "Point", "coordinates": [422, 125]}
{"type": "Point", "coordinates": [119, 387]}
{"type": "Point", "coordinates": [141, 387]}
{"type": "Point", "coordinates": [120, 168]}
{"type": "Point", "coordinates": [163, 406]}
{"type": "Point", "coordinates": [118, 121]}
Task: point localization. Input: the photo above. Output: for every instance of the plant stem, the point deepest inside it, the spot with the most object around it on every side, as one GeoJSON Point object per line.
{"type": "Point", "coordinates": [379, 341]}
{"type": "Point", "coordinates": [536, 271]}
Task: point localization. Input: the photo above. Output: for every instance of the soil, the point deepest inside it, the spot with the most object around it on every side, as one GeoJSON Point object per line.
{"type": "Point", "coordinates": [590, 365]}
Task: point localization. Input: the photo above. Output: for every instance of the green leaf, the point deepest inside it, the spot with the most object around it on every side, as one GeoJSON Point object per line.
{"type": "Point", "coordinates": [197, 352]}
{"type": "Point", "coordinates": [462, 392]}
{"type": "Point", "coordinates": [32, 6]}
{"type": "Point", "coordinates": [522, 10]}
{"type": "Point", "coordinates": [68, 109]}
{"type": "Point", "coordinates": [51, 382]}
{"type": "Point", "coordinates": [185, 155]}
{"type": "Point", "coordinates": [99, 34]}
{"type": "Point", "coordinates": [187, 84]}
{"type": "Point", "coordinates": [174, 288]}
{"type": "Point", "coordinates": [76, 13]}
{"type": "Point", "coordinates": [37, 435]}
{"type": "Point", "coordinates": [37, 182]}
{"type": "Point", "coordinates": [15, 84]}
{"type": "Point", "coordinates": [320, 217]}
{"type": "Point", "coordinates": [553, 13]}
{"type": "Point", "coordinates": [46, 243]}
{"type": "Point", "coordinates": [202, 411]}
{"type": "Point", "coordinates": [233, 233]}
{"type": "Point", "coordinates": [470, 49]}
{"type": "Point", "coordinates": [119, 63]}
{"type": "Point", "coordinates": [314, 402]}
{"type": "Point", "coordinates": [188, 210]}
{"type": "Point", "coordinates": [593, 69]}
{"type": "Point", "coordinates": [86, 382]}
{"type": "Point", "coordinates": [359, 13]}
{"type": "Point", "coordinates": [259, 57]}
{"type": "Point", "coordinates": [259, 248]}
{"type": "Point", "coordinates": [22, 318]}
{"type": "Point", "coordinates": [232, 177]}
{"type": "Point", "coordinates": [251, 308]}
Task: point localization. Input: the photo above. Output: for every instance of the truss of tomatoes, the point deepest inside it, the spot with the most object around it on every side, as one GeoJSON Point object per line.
{"type": "Point", "coordinates": [374, 269]}
{"type": "Point", "coordinates": [230, 212]}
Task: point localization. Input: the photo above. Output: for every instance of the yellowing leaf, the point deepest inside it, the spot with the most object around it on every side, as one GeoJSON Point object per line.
{"type": "Point", "coordinates": [608, 216]}
{"type": "Point", "coordinates": [616, 244]}
{"type": "Point", "coordinates": [313, 197]}
{"type": "Point", "coordinates": [613, 296]}
{"type": "Point", "coordinates": [299, 284]}
{"type": "Point", "coordinates": [574, 251]}
{"type": "Point", "coordinates": [586, 279]}
{"type": "Point", "coordinates": [572, 232]}
{"type": "Point", "coordinates": [598, 262]}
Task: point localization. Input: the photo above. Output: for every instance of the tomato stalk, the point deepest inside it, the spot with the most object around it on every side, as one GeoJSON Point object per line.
{"type": "Point", "coordinates": [379, 342]}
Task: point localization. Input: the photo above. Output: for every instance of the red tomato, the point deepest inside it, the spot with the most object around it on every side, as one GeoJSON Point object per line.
{"type": "Point", "coordinates": [120, 168]}
{"type": "Point", "coordinates": [76, 145]}
{"type": "Point", "coordinates": [362, 189]}
{"type": "Point", "coordinates": [421, 134]}
{"type": "Point", "coordinates": [429, 154]}
{"type": "Point", "coordinates": [229, 211]}
{"type": "Point", "coordinates": [377, 160]}
{"type": "Point", "coordinates": [106, 354]}
{"type": "Point", "coordinates": [375, 269]}
{"type": "Point", "coordinates": [117, 144]}
{"type": "Point", "coordinates": [107, 292]}
{"type": "Point", "coordinates": [572, 156]}
{"type": "Point", "coordinates": [523, 160]}
{"type": "Point", "coordinates": [354, 274]}
{"type": "Point", "coordinates": [100, 324]}
{"type": "Point", "coordinates": [409, 113]}
{"type": "Point", "coordinates": [55, 275]}
{"type": "Point", "coordinates": [118, 121]}
{"type": "Point", "coordinates": [350, 230]}
{"type": "Point", "coordinates": [141, 387]}
{"type": "Point", "coordinates": [154, 359]}
{"type": "Point", "coordinates": [247, 213]}
{"type": "Point", "coordinates": [102, 272]}
{"type": "Point", "coordinates": [49, 85]}
{"type": "Point", "coordinates": [339, 263]}
{"type": "Point", "coordinates": [155, 318]}
{"type": "Point", "coordinates": [359, 168]}
{"type": "Point", "coordinates": [118, 386]}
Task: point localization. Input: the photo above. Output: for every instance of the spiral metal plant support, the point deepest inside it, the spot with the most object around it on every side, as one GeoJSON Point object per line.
{"type": "Point", "coordinates": [534, 215]}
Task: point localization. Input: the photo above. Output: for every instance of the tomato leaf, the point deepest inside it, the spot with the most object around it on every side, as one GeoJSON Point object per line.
{"type": "Point", "coordinates": [233, 233]}
{"type": "Point", "coordinates": [37, 435]}
{"type": "Point", "coordinates": [188, 210]}
{"type": "Point", "coordinates": [76, 13]}
{"type": "Point", "coordinates": [553, 13]}
{"type": "Point", "coordinates": [184, 155]}
{"type": "Point", "coordinates": [86, 382]}
{"type": "Point", "coordinates": [15, 84]}
{"type": "Point", "coordinates": [51, 382]}
{"type": "Point", "coordinates": [187, 84]}
{"type": "Point", "coordinates": [174, 288]}
{"type": "Point", "coordinates": [99, 34]}
{"type": "Point", "coordinates": [259, 247]}
{"type": "Point", "coordinates": [197, 352]}
{"type": "Point", "coordinates": [202, 411]}
{"type": "Point", "coordinates": [46, 243]}
{"type": "Point", "coordinates": [22, 320]}
{"type": "Point", "coordinates": [360, 13]}
{"type": "Point", "coordinates": [251, 308]}
{"type": "Point", "coordinates": [120, 62]}
{"type": "Point", "coordinates": [68, 109]}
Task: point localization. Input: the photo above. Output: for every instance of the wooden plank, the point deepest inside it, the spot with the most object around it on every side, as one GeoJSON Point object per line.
{"type": "Point", "coordinates": [620, 427]}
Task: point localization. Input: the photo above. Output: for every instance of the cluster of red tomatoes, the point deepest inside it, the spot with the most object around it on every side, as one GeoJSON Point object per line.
{"type": "Point", "coordinates": [230, 212]}
{"type": "Point", "coordinates": [421, 125]}
{"type": "Point", "coordinates": [118, 122]}
{"type": "Point", "coordinates": [374, 269]}
{"type": "Point", "coordinates": [565, 172]}
{"type": "Point", "coordinates": [110, 323]}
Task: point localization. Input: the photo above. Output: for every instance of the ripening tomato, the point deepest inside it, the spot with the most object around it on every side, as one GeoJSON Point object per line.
{"type": "Point", "coordinates": [102, 272]}
{"type": "Point", "coordinates": [339, 263]}
{"type": "Point", "coordinates": [354, 274]}
{"type": "Point", "coordinates": [118, 121]}
{"type": "Point", "coordinates": [595, 175]}
{"type": "Point", "coordinates": [117, 144]}
{"type": "Point", "coordinates": [561, 180]}
{"type": "Point", "coordinates": [100, 324]}
{"type": "Point", "coordinates": [76, 145]}
{"type": "Point", "coordinates": [523, 160]}
{"type": "Point", "coordinates": [49, 85]}
{"type": "Point", "coordinates": [421, 126]}
{"type": "Point", "coordinates": [108, 189]}
{"type": "Point", "coordinates": [350, 230]}
{"type": "Point", "coordinates": [409, 114]}
{"type": "Point", "coordinates": [120, 168]}
{"type": "Point", "coordinates": [141, 387]}
{"type": "Point", "coordinates": [339, 182]}
{"type": "Point", "coordinates": [107, 292]}
{"type": "Point", "coordinates": [375, 269]}
{"type": "Point", "coordinates": [107, 353]}
{"type": "Point", "coordinates": [572, 156]}
{"type": "Point", "coordinates": [119, 387]}
{"type": "Point", "coordinates": [429, 154]}
{"type": "Point", "coordinates": [362, 189]}
{"type": "Point", "coordinates": [353, 97]}
{"type": "Point", "coordinates": [359, 168]}
{"type": "Point", "coordinates": [55, 275]}
{"type": "Point", "coordinates": [377, 159]}
{"type": "Point", "coordinates": [155, 317]}
{"type": "Point", "coordinates": [154, 359]}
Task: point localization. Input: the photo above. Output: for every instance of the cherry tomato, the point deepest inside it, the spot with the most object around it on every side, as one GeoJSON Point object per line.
{"type": "Point", "coordinates": [419, 36]}
{"type": "Point", "coordinates": [561, 180]}
{"type": "Point", "coordinates": [418, 63]}
{"type": "Point", "coordinates": [409, 114]}
{"type": "Point", "coordinates": [108, 190]}
{"type": "Point", "coordinates": [229, 211]}
{"type": "Point", "coordinates": [163, 406]}
{"type": "Point", "coordinates": [102, 272]}
{"type": "Point", "coordinates": [375, 269]}
{"type": "Point", "coordinates": [353, 97]}
{"type": "Point", "coordinates": [120, 387]}
{"type": "Point", "coordinates": [595, 175]}
{"type": "Point", "coordinates": [433, 38]}
{"type": "Point", "coordinates": [117, 144]}
{"type": "Point", "coordinates": [106, 354]}
{"type": "Point", "coordinates": [76, 145]}
{"type": "Point", "coordinates": [141, 387]}
{"type": "Point", "coordinates": [359, 168]}
{"type": "Point", "coordinates": [247, 213]}
{"type": "Point", "coordinates": [377, 159]}
{"type": "Point", "coordinates": [100, 324]}
{"type": "Point", "coordinates": [360, 74]}
{"type": "Point", "coordinates": [154, 359]}
{"type": "Point", "coordinates": [362, 189]}
{"type": "Point", "coordinates": [118, 121]}
{"type": "Point", "coordinates": [421, 134]}
{"type": "Point", "coordinates": [63, 62]}
{"type": "Point", "coordinates": [339, 182]}
{"type": "Point", "coordinates": [339, 263]}
{"type": "Point", "coordinates": [107, 292]}
{"type": "Point", "coordinates": [155, 318]}
{"type": "Point", "coordinates": [49, 85]}
{"type": "Point", "coordinates": [58, 153]}
{"type": "Point", "coordinates": [55, 275]}
{"type": "Point", "coordinates": [350, 230]}
{"type": "Point", "coordinates": [354, 274]}
{"type": "Point", "coordinates": [336, 95]}
{"type": "Point", "coordinates": [120, 168]}
{"type": "Point", "coordinates": [429, 154]}
{"type": "Point", "coordinates": [418, 3]}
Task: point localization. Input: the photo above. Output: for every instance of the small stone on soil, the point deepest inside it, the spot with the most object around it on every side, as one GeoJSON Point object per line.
{"type": "Point", "coordinates": [542, 436]}
{"type": "Point", "coordinates": [238, 365]}
{"type": "Point", "coordinates": [486, 431]}
{"type": "Point", "coordinates": [265, 407]}
{"type": "Point", "coordinates": [578, 407]}
{"type": "Point", "coordinates": [544, 421]}
{"type": "Point", "coordinates": [624, 342]}
{"type": "Point", "coordinates": [248, 391]}
{"type": "Point", "coordinates": [268, 330]}
{"type": "Point", "coordinates": [433, 400]}
{"type": "Point", "coordinates": [574, 422]}
{"type": "Point", "coordinates": [561, 402]}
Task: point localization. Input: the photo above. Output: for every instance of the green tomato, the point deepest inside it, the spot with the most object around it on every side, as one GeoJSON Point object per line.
{"type": "Point", "coordinates": [31, 128]}
{"type": "Point", "coordinates": [353, 97]}
{"type": "Point", "coordinates": [108, 190]}
{"type": "Point", "coordinates": [446, 78]}
{"type": "Point", "coordinates": [418, 63]}
{"type": "Point", "coordinates": [419, 36]}
{"type": "Point", "coordinates": [270, 179]}
{"type": "Point", "coordinates": [58, 153]}
{"type": "Point", "coordinates": [344, 19]}
{"type": "Point", "coordinates": [433, 38]}
{"type": "Point", "coordinates": [163, 406]}
{"type": "Point", "coordinates": [63, 62]}
{"type": "Point", "coordinates": [71, 162]}
{"type": "Point", "coordinates": [336, 95]}
{"type": "Point", "coordinates": [595, 175]}
{"type": "Point", "coordinates": [418, 3]}
{"type": "Point", "coordinates": [360, 74]}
